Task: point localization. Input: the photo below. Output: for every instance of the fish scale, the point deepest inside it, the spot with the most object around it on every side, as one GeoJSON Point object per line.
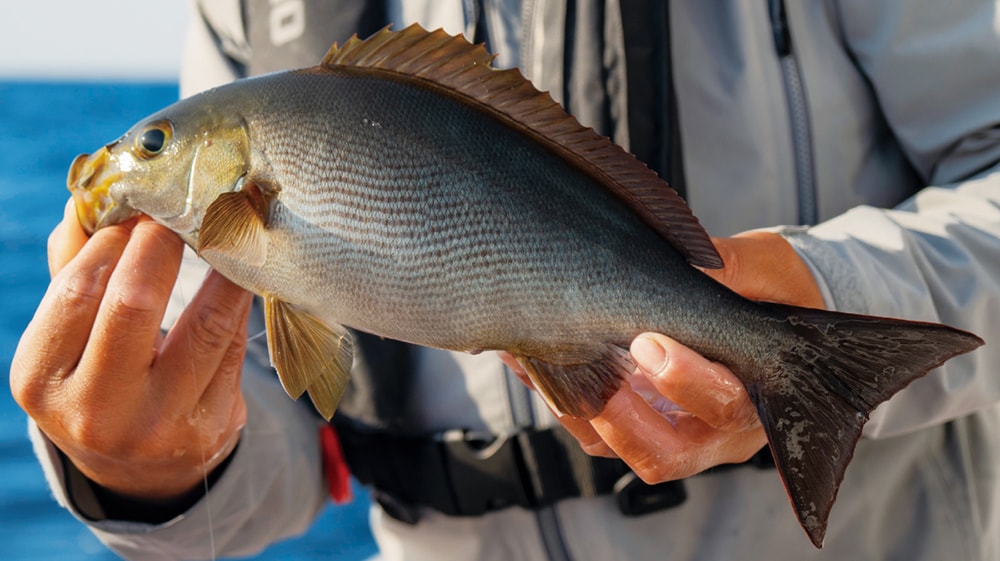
{"type": "Point", "coordinates": [405, 188]}
{"type": "Point", "coordinates": [362, 210]}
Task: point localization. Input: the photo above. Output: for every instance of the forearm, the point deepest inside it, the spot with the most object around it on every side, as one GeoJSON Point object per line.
{"type": "Point", "coordinates": [934, 258]}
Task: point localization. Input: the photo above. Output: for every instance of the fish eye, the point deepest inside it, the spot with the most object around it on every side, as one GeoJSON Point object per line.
{"type": "Point", "coordinates": [153, 139]}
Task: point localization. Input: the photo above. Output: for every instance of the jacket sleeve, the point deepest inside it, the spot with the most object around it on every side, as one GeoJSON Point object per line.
{"type": "Point", "coordinates": [214, 52]}
{"type": "Point", "coordinates": [935, 69]}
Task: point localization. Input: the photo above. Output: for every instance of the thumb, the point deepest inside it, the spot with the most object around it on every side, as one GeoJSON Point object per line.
{"type": "Point", "coordinates": [65, 240]}
{"type": "Point", "coordinates": [764, 266]}
{"type": "Point", "coordinates": [699, 386]}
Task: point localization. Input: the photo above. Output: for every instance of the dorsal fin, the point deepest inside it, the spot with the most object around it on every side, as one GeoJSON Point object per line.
{"type": "Point", "coordinates": [454, 64]}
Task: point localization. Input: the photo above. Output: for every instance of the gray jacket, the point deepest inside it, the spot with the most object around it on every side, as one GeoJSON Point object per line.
{"type": "Point", "coordinates": [877, 121]}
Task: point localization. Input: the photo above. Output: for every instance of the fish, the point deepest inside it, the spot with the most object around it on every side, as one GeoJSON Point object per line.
{"type": "Point", "coordinates": [406, 188]}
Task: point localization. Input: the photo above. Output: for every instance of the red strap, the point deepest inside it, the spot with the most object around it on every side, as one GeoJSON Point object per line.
{"type": "Point", "coordinates": [338, 477]}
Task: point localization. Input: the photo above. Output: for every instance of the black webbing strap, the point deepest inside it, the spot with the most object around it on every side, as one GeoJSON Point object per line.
{"type": "Point", "coordinates": [460, 474]}
{"type": "Point", "coordinates": [653, 119]}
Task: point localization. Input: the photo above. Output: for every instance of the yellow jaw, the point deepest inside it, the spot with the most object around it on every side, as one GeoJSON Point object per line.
{"type": "Point", "coordinates": [89, 181]}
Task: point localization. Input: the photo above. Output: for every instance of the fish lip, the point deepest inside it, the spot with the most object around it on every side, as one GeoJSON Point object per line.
{"type": "Point", "coordinates": [89, 181]}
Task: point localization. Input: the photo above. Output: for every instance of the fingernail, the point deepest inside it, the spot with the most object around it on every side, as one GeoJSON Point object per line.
{"type": "Point", "coordinates": [649, 355]}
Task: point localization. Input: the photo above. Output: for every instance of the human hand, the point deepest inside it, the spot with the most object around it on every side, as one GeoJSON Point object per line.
{"type": "Point", "coordinates": [683, 413]}
{"type": "Point", "coordinates": [143, 415]}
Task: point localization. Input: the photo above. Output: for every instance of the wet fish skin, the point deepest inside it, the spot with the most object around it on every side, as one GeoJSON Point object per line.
{"type": "Point", "coordinates": [384, 197]}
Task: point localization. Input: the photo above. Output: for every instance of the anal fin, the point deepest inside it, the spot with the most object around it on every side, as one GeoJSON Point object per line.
{"type": "Point", "coordinates": [309, 354]}
{"type": "Point", "coordinates": [581, 383]}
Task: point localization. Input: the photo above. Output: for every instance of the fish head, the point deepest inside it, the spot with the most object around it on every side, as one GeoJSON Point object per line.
{"type": "Point", "coordinates": [169, 166]}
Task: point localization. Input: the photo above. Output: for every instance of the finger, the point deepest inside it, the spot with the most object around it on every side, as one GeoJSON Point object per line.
{"type": "Point", "coordinates": [668, 447]}
{"type": "Point", "coordinates": [764, 266]}
{"type": "Point", "coordinates": [704, 388]}
{"type": "Point", "coordinates": [222, 399]}
{"type": "Point", "coordinates": [642, 385]}
{"type": "Point", "coordinates": [590, 440]}
{"type": "Point", "coordinates": [198, 342]}
{"type": "Point", "coordinates": [66, 239]}
{"type": "Point", "coordinates": [641, 436]}
{"type": "Point", "coordinates": [220, 411]}
{"type": "Point", "coordinates": [53, 342]}
{"type": "Point", "coordinates": [128, 321]}
{"type": "Point", "coordinates": [703, 446]}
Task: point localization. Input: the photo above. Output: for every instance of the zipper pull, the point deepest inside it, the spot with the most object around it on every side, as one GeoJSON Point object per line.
{"type": "Point", "coordinates": [779, 27]}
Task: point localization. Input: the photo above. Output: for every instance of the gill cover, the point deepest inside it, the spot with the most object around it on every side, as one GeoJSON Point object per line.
{"type": "Point", "coordinates": [170, 166]}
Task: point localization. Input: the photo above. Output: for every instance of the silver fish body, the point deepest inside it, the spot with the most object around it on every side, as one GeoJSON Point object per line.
{"type": "Point", "coordinates": [405, 189]}
{"type": "Point", "coordinates": [395, 217]}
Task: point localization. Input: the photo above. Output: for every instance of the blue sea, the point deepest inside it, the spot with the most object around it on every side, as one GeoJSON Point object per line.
{"type": "Point", "coordinates": [43, 126]}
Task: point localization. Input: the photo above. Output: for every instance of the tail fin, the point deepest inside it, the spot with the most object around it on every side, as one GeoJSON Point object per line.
{"type": "Point", "coordinates": [814, 400]}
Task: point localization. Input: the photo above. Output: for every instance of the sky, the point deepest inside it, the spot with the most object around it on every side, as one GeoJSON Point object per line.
{"type": "Point", "coordinates": [92, 39]}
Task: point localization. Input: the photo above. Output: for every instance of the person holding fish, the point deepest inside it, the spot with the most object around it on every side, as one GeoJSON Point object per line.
{"type": "Point", "coordinates": [406, 208]}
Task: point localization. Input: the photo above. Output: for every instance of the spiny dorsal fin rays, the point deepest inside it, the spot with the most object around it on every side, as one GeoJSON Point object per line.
{"type": "Point", "coordinates": [308, 354]}
{"type": "Point", "coordinates": [413, 50]}
{"type": "Point", "coordinates": [458, 67]}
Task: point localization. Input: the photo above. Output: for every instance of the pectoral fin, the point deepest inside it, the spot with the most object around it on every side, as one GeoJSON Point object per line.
{"type": "Point", "coordinates": [308, 354]}
{"type": "Point", "coordinates": [235, 224]}
{"type": "Point", "coordinates": [581, 382]}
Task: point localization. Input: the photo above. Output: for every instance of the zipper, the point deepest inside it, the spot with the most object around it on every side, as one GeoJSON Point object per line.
{"type": "Point", "coordinates": [798, 114]}
{"type": "Point", "coordinates": [519, 397]}
{"type": "Point", "coordinates": [673, 156]}
{"type": "Point", "coordinates": [519, 400]}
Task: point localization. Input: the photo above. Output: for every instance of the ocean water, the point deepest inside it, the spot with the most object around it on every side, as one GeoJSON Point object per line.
{"type": "Point", "coordinates": [43, 126]}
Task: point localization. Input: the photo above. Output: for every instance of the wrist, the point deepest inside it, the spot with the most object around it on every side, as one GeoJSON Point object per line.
{"type": "Point", "coordinates": [147, 473]}
{"type": "Point", "coordinates": [97, 502]}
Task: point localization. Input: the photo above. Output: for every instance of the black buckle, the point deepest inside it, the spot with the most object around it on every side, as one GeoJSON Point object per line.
{"type": "Point", "coordinates": [635, 497]}
{"type": "Point", "coordinates": [485, 474]}
{"type": "Point", "coordinates": [475, 475]}
{"type": "Point", "coordinates": [489, 475]}
{"type": "Point", "coordinates": [397, 509]}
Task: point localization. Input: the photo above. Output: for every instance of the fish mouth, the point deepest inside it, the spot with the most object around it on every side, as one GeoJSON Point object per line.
{"type": "Point", "coordinates": [89, 181]}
